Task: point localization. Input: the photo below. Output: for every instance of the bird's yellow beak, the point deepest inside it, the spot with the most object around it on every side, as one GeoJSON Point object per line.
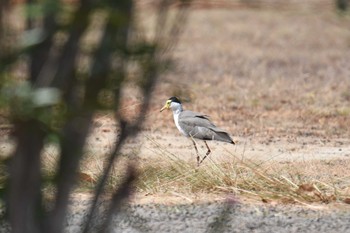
{"type": "Point", "coordinates": [163, 108]}
{"type": "Point", "coordinates": [166, 106]}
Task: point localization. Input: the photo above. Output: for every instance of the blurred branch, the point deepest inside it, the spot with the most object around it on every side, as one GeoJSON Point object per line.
{"type": "Point", "coordinates": [5, 56]}
{"type": "Point", "coordinates": [121, 34]}
{"type": "Point", "coordinates": [73, 137]}
{"type": "Point", "coordinates": [4, 5]}
{"type": "Point", "coordinates": [53, 68]}
{"type": "Point", "coordinates": [177, 26]}
{"type": "Point", "coordinates": [39, 54]}
{"type": "Point", "coordinates": [103, 179]}
{"type": "Point", "coordinates": [150, 75]}
{"type": "Point", "coordinates": [58, 73]}
{"type": "Point", "coordinates": [124, 191]}
{"type": "Point", "coordinates": [342, 4]}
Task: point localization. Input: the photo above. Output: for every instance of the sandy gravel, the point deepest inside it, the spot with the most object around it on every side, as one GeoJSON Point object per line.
{"type": "Point", "coordinates": [232, 218]}
{"type": "Point", "coordinates": [213, 217]}
{"type": "Point", "coordinates": [216, 217]}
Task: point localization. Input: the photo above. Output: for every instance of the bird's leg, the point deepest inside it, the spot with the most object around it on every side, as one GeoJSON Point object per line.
{"type": "Point", "coordinates": [208, 152]}
{"type": "Point", "coordinates": [195, 147]}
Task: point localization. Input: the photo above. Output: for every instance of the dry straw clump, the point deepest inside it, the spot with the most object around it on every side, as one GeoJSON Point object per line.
{"type": "Point", "coordinates": [297, 182]}
{"type": "Point", "coordinates": [300, 182]}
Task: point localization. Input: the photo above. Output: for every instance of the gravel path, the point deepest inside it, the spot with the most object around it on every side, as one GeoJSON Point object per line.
{"type": "Point", "coordinates": [216, 217]}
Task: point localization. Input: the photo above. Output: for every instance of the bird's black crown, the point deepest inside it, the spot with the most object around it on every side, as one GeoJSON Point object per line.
{"type": "Point", "coordinates": [174, 99]}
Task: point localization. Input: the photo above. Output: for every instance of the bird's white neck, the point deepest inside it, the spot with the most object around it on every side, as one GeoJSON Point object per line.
{"type": "Point", "coordinates": [176, 114]}
{"type": "Point", "coordinates": [177, 109]}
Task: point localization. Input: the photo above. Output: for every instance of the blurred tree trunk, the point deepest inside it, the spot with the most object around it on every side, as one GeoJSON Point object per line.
{"type": "Point", "coordinates": [342, 4]}
{"type": "Point", "coordinates": [25, 180]}
{"type": "Point", "coordinates": [53, 71]}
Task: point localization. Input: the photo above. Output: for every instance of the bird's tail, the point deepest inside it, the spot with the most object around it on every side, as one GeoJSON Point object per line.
{"type": "Point", "coordinates": [224, 137]}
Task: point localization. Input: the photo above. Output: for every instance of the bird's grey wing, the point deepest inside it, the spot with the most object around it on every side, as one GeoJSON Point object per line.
{"type": "Point", "coordinates": [195, 122]}
{"type": "Point", "coordinates": [199, 126]}
{"type": "Point", "coordinates": [200, 119]}
{"type": "Point", "coordinates": [195, 119]}
{"type": "Point", "coordinates": [193, 128]}
{"type": "Point", "coordinates": [191, 114]}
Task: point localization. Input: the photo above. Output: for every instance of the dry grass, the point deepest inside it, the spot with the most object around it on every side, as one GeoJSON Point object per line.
{"type": "Point", "coordinates": [299, 182]}
{"type": "Point", "coordinates": [258, 73]}
{"type": "Point", "coordinates": [302, 182]}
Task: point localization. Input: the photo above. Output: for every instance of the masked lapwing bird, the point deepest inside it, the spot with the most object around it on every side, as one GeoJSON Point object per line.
{"type": "Point", "coordinates": [195, 125]}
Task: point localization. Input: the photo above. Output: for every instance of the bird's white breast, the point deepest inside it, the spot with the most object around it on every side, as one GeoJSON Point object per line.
{"type": "Point", "coordinates": [176, 119]}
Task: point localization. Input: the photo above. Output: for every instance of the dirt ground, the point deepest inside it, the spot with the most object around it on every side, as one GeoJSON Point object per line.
{"type": "Point", "coordinates": [278, 80]}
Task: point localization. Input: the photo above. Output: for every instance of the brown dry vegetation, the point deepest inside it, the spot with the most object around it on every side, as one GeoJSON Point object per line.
{"type": "Point", "coordinates": [270, 75]}
{"type": "Point", "coordinates": [265, 75]}
{"type": "Point", "coordinates": [259, 71]}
